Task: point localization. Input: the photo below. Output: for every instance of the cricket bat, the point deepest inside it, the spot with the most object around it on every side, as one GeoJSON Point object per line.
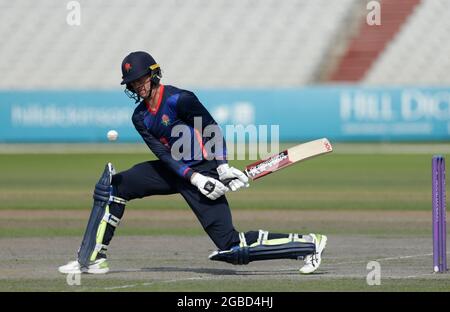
{"type": "Point", "coordinates": [286, 158]}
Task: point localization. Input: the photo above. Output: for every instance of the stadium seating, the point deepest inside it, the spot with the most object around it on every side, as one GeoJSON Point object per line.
{"type": "Point", "coordinates": [199, 43]}
{"type": "Point", "coordinates": [420, 53]}
{"type": "Point", "coordinates": [369, 40]}
{"type": "Point", "coordinates": [209, 44]}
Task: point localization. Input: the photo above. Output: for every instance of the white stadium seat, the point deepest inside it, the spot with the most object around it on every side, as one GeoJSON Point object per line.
{"type": "Point", "coordinates": [420, 52]}
{"type": "Point", "coordinates": [199, 43]}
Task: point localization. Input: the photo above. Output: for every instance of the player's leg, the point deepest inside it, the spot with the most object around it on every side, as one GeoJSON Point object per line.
{"type": "Point", "coordinates": [110, 196]}
{"type": "Point", "coordinates": [242, 248]}
{"type": "Point", "coordinates": [270, 246]}
{"type": "Point", "coordinates": [142, 180]}
{"type": "Point", "coordinates": [313, 261]}
{"type": "Point", "coordinates": [88, 258]}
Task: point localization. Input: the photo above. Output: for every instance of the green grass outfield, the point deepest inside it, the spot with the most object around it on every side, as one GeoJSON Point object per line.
{"type": "Point", "coordinates": [355, 179]}
{"type": "Point", "coordinates": [335, 181]}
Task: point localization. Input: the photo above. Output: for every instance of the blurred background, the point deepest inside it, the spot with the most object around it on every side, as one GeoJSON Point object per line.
{"type": "Point", "coordinates": [351, 70]}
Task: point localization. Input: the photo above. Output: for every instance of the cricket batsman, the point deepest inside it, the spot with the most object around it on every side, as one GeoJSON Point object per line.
{"type": "Point", "coordinates": [202, 177]}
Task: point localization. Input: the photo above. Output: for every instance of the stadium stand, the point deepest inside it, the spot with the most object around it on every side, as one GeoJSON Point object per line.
{"type": "Point", "coordinates": [419, 54]}
{"type": "Point", "coordinates": [224, 44]}
{"type": "Point", "coordinates": [280, 43]}
{"type": "Point", "coordinates": [370, 41]}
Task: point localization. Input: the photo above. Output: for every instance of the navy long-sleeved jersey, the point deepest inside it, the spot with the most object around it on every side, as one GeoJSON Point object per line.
{"type": "Point", "coordinates": [176, 107]}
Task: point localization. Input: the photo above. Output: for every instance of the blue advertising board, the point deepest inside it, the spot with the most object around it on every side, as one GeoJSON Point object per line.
{"type": "Point", "coordinates": [341, 113]}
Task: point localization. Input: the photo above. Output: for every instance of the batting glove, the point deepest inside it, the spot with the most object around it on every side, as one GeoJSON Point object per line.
{"type": "Point", "coordinates": [238, 178]}
{"type": "Point", "coordinates": [209, 187]}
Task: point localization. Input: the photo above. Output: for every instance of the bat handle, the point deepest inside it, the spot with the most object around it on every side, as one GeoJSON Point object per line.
{"type": "Point", "coordinates": [226, 182]}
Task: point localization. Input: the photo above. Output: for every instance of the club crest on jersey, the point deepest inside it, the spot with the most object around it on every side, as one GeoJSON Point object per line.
{"type": "Point", "coordinates": [127, 67]}
{"type": "Point", "coordinates": [165, 120]}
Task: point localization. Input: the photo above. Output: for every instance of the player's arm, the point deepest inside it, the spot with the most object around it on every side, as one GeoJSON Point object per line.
{"type": "Point", "coordinates": [189, 108]}
{"type": "Point", "coordinates": [162, 152]}
{"type": "Point", "coordinates": [209, 187]}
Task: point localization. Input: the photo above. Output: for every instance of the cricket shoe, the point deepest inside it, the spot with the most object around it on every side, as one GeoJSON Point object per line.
{"type": "Point", "coordinates": [99, 266]}
{"type": "Point", "coordinates": [312, 262]}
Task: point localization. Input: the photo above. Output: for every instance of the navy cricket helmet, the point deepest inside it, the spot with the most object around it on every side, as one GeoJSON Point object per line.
{"type": "Point", "coordinates": [136, 65]}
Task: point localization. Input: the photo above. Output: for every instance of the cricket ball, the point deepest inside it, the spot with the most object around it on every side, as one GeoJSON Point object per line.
{"type": "Point", "coordinates": [112, 135]}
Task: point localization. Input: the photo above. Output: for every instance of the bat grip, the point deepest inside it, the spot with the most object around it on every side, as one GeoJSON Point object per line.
{"type": "Point", "coordinates": [226, 182]}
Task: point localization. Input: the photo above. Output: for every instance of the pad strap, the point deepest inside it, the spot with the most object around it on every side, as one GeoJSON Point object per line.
{"type": "Point", "coordinates": [111, 219]}
{"type": "Point", "coordinates": [262, 236]}
{"type": "Point", "coordinates": [242, 239]}
{"type": "Point", "coordinates": [116, 199]}
{"type": "Point", "coordinates": [100, 248]}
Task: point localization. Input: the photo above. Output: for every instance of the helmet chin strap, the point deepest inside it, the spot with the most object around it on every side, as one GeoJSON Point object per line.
{"type": "Point", "coordinates": [151, 91]}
